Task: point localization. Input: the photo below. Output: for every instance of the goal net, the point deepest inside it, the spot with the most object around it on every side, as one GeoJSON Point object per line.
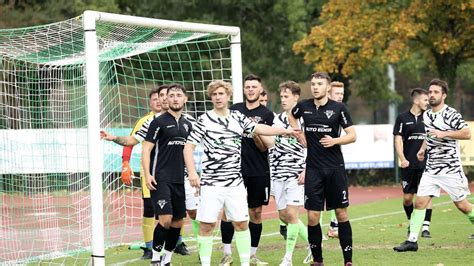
{"type": "Point", "coordinates": [45, 153]}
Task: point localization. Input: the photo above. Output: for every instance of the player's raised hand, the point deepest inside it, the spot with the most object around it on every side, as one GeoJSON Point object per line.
{"type": "Point", "coordinates": [328, 141]}
{"type": "Point", "coordinates": [194, 180]}
{"type": "Point", "coordinates": [126, 173]}
{"type": "Point", "coordinates": [106, 136]}
{"type": "Point", "coordinates": [420, 155]}
{"type": "Point", "coordinates": [150, 182]}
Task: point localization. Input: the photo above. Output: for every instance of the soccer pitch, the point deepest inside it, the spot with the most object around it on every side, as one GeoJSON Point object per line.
{"type": "Point", "coordinates": [377, 228]}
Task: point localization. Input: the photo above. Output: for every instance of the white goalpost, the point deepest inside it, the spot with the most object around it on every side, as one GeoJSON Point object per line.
{"type": "Point", "coordinates": [61, 198]}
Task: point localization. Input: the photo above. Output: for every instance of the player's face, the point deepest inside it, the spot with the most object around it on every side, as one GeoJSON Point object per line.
{"type": "Point", "coordinates": [176, 99]}
{"type": "Point", "coordinates": [436, 95]}
{"type": "Point", "coordinates": [288, 99]}
{"type": "Point", "coordinates": [263, 99]}
{"type": "Point", "coordinates": [422, 102]}
{"type": "Point", "coordinates": [163, 100]}
{"type": "Point", "coordinates": [252, 90]}
{"type": "Point", "coordinates": [219, 98]}
{"type": "Point", "coordinates": [336, 94]}
{"type": "Point", "coordinates": [319, 88]}
{"type": "Point", "coordinates": [155, 104]}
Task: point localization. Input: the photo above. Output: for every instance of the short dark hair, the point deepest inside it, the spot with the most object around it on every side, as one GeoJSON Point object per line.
{"type": "Point", "coordinates": [321, 75]}
{"type": "Point", "coordinates": [438, 82]}
{"type": "Point", "coordinates": [176, 86]}
{"type": "Point", "coordinates": [158, 89]}
{"type": "Point", "coordinates": [253, 77]}
{"type": "Point", "coordinates": [418, 91]}
{"type": "Point", "coordinates": [264, 92]}
{"type": "Point", "coordinates": [290, 85]}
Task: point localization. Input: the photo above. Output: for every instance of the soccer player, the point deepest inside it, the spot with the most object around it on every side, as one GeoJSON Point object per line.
{"type": "Point", "coordinates": [325, 178]}
{"type": "Point", "coordinates": [165, 179]}
{"type": "Point", "coordinates": [409, 132]}
{"type": "Point", "coordinates": [444, 127]}
{"type": "Point", "coordinates": [255, 168]}
{"type": "Point", "coordinates": [287, 162]}
{"type": "Point", "coordinates": [157, 103]}
{"type": "Point", "coordinates": [221, 183]}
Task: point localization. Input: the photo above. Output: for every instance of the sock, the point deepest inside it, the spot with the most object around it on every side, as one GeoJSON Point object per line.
{"type": "Point", "coordinates": [321, 218]}
{"type": "Point", "coordinates": [148, 226]}
{"type": "Point", "coordinates": [205, 249]}
{"type": "Point", "coordinates": [302, 231]}
{"type": "Point", "coordinates": [292, 236]}
{"type": "Point", "coordinates": [408, 210]}
{"type": "Point", "coordinates": [172, 238]}
{"type": "Point", "coordinates": [415, 224]}
{"type": "Point", "coordinates": [255, 233]}
{"type": "Point", "coordinates": [470, 216]}
{"type": "Point", "coordinates": [228, 249]}
{"type": "Point", "coordinates": [159, 236]}
{"type": "Point", "coordinates": [333, 220]}
{"type": "Point", "coordinates": [195, 226]}
{"type": "Point", "coordinates": [242, 240]}
{"type": "Point", "coordinates": [166, 257]}
{"type": "Point", "coordinates": [427, 221]}
{"type": "Point", "coordinates": [180, 240]}
{"type": "Point", "coordinates": [315, 237]}
{"type": "Point", "coordinates": [227, 232]}
{"type": "Point", "coordinates": [149, 244]}
{"type": "Point", "coordinates": [345, 240]}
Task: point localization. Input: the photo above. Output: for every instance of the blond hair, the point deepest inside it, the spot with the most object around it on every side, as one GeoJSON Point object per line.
{"type": "Point", "coordinates": [216, 84]}
{"type": "Point", "coordinates": [337, 84]}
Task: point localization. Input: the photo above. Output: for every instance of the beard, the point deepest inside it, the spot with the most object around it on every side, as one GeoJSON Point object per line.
{"type": "Point", "coordinates": [176, 108]}
{"type": "Point", "coordinates": [434, 102]}
{"type": "Point", "coordinates": [252, 100]}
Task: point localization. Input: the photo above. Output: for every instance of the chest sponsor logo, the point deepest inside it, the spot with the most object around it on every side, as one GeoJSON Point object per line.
{"type": "Point", "coordinates": [178, 142]}
{"type": "Point", "coordinates": [329, 113]}
{"type": "Point", "coordinates": [170, 126]}
{"type": "Point", "coordinates": [409, 123]}
{"type": "Point", "coordinates": [318, 128]}
{"type": "Point", "coordinates": [417, 136]}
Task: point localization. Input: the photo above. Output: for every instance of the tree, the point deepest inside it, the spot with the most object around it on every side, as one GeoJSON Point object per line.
{"type": "Point", "coordinates": [353, 37]}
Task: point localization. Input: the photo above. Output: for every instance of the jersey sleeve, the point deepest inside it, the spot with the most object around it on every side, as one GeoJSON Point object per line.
{"type": "Point", "coordinates": [269, 119]}
{"type": "Point", "coordinates": [457, 122]}
{"type": "Point", "coordinates": [345, 119]}
{"type": "Point", "coordinates": [398, 127]}
{"type": "Point", "coordinates": [246, 123]}
{"type": "Point", "coordinates": [197, 133]}
{"type": "Point", "coordinates": [140, 134]}
{"type": "Point", "coordinates": [297, 111]}
{"type": "Point", "coordinates": [153, 131]}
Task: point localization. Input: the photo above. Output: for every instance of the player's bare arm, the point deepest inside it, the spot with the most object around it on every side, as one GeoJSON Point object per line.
{"type": "Point", "coordinates": [421, 152]}
{"type": "Point", "coordinates": [404, 163]}
{"type": "Point", "coordinates": [462, 134]}
{"type": "Point", "coordinates": [146, 151]}
{"type": "Point", "coordinates": [350, 137]}
{"type": "Point", "coordinates": [259, 142]}
{"type": "Point", "coordinates": [189, 162]}
{"type": "Point", "coordinates": [294, 124]}
{"type": "Point", "coordinates": [272, 131]}
{"type": "Point", "coordinates": [268, 141]}
{"type": "Point", "coordinates": [120, 140]}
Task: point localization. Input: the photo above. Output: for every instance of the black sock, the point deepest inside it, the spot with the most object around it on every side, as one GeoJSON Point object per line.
{"type": "Point", "coordinates": [408, 210]}
{"type": "Point", "coordinates": [159, 236]}
{"type": "Point", "coordinates": [315, 237]}
{"type": "Point", "coordinates": [345, 240]}
{"type": "Point", "coordinates": [172, 238]}
{"type": "Point", "coordinates": [428, 215]}
{"type": "Point", "coordinates": [255, 233]}
{"type": "Point", "coordinates": [227, 232]}
{"type": "Point", "coordinates": [283, 228]}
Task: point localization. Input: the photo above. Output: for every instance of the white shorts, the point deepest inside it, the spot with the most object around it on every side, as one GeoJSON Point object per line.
{"type": "Point", "coordinates": [455, 185]}
{"type": "Point", "coordinates": [287, 193]}
{"type": "Point", "coordinates": [192, 197]}
{"type": "Point", "coordinates": [232, 199]}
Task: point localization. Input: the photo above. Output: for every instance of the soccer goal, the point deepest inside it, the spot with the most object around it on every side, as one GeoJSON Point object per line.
{"type": "Point", "coordinates": [61, 198]}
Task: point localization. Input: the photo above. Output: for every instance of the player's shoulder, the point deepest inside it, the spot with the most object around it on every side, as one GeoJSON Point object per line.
{"type": "Point", "coordinates": [237, 106]}
{"type": "Point", "coordinates": [403, 115]}
{"type": "Point", "coordinates": [189, 118]}
{"type": "Point", "coordinates": [450, 110]}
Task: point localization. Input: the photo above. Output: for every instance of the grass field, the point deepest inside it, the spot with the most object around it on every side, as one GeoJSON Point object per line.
{"type": "Point", "coordinates": [377, 228]}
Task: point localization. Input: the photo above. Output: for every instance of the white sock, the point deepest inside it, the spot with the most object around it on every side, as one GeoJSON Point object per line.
{"type": "Point", "coordinates": [426, 226]}
{"type": "Point", "coordinates": [228, 249]}
{"type": "Point", "coordinates": [413, 237]}
{"type": "Point", "coordinates": [253, 251]}
{"type": "Point", "coordinates": [166, 257]}
{"type": "Point", "coordinates": [289, 255]}
{"type": "Point", "coordinates": [156, 255]}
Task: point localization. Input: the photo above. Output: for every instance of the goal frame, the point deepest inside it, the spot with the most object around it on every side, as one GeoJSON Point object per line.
{"type": "Point", "coordinates": [93, 100]}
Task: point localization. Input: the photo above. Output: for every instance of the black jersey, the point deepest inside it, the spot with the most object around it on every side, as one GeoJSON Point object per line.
{"type": "Point", "coordinates": [254, 162]}
{"type": "Point", "coordinates": [170, 135]}
{"type": "Point", "coordinates": [412, 130]}
{"type": "Point", "coordinates": [318, 122]}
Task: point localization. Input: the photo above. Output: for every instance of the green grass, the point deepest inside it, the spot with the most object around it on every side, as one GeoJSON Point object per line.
{"type": "Point", "coordinates": [377, 228]}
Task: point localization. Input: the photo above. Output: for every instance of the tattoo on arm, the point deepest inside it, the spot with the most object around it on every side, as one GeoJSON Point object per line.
{"type": "Point", "coordinates": [121, 141]}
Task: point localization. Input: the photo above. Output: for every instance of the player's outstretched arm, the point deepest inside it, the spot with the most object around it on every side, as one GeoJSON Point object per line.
{"type": "Point", "coordinates": [120, 140]}
{"type": "Point", "coordinates": [462, 134]}
{"type": "Point", "coordinates": [399, 148]}
{"type": "Point", "coordinates": [189, 162]}
{"type": "Point", "coordinates": [273, 131]}
{"type": "Point", "coordinates": [294, 124]}
{"type": "Point", "coordinates": [147, 147]}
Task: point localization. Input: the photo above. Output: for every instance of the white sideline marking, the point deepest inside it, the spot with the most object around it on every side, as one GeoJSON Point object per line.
{"type": "Point", "coordinates": [217, 238]}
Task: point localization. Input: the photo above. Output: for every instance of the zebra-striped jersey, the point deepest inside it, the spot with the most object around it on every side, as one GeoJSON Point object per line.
{"type": "Point", "coordinates": [443, 155]}
{"type": "Point", "coordinates": [287, 157]}
{"type": "Point", "coordinates": [221, 137]}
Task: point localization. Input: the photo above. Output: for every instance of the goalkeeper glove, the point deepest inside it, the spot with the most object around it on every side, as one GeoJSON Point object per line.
{"type": "Point", "coordinates": [126, 173]}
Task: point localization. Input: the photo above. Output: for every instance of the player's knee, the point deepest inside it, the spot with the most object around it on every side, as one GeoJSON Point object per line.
{"type": "Point", "coordinates": [341, 215]}
{"type": "Point", "coordinates": [464, 206]}
{"type": "Point", "coordinates": [148, 209]}
{"type": "Point", "coordinates": [205, 229]}
{"type": "Point", "coordinates": [165, 221]}
{"type": "Point", "coordinates": [313, 218]}
{"type": "Point", "coordinates": [407, 199]}
{"type": "Point", "coordinates": [192, 214]}
{"type": "Point", "coordinates": [240, 226]}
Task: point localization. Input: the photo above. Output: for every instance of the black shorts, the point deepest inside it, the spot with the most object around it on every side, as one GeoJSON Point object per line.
{"type": "Point", "coordinates": [258, 190]}
{"type": "Point", "coordinates": [169, 198]}
{"type": "Point", "coordinates": [411, 179]}
{"type": "Point", "coordinates": [325, 185]}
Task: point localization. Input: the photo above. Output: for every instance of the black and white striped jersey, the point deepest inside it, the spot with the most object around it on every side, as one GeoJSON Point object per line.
{"type": "Point", "coordinates": [287, 157]}
{"type": "Point", "coordinates": [221, 137]}
{"type": "Point", "coordinates": [443, 155]}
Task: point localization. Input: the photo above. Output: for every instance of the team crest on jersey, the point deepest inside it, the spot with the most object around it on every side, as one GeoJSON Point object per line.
{"type": "Point", "coordinates": [329, 113]}
{"type": "Point", "coordinates": [186, 127]}
{"type": "Point", "coordinates": [161, 203]}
